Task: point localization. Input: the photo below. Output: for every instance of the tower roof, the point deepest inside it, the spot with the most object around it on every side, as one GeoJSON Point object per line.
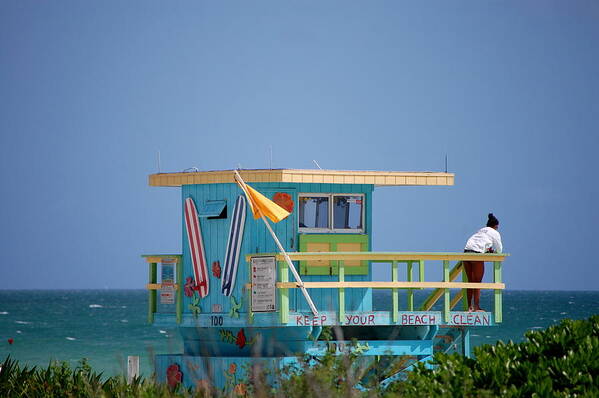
{"type": "Point", "coordinates": [378, 178]}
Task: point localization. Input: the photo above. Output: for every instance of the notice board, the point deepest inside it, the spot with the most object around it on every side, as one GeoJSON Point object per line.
{"type": "Point", "coordinates": [264, 278]}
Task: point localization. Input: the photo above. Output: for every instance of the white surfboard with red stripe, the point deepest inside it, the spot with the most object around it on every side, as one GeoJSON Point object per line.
{"type": "Point", "coordinates": [196, 247]}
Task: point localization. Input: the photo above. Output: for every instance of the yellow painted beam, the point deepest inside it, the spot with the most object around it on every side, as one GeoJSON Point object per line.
{"type": "Point", "coordinates": [156, 258]}
{"type": "Point", "coordinates": [456, 299]}
{"type": "Point", "coordinates": [158, 286]}
{"type": "Point", "coordinates": [392, 285]}
{"type": "Point", "coordinates": [388, 257]}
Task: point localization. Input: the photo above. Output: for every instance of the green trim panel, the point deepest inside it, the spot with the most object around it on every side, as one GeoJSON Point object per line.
{"type": "Point", "coordinates": [333, 241]}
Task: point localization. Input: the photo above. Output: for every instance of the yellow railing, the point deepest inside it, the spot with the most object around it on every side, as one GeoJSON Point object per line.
{"type": "Point", "coordinates": [443, 287]}
{"type": "Point", "coordinates": [153, 286]}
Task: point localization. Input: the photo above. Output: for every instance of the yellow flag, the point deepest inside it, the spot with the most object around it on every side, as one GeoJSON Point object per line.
{"type": "Point", "coordinates": [260, 204]}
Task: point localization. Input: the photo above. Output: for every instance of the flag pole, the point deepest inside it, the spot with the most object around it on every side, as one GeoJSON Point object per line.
{"type": "Point", "coordinates": [291, 267]}
{"type": "Point", "coordinates": [285, 255]}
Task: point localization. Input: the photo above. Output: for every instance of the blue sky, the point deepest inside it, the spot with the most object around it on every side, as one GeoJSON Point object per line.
{"type": "Point", "coordinates": [90, 91]}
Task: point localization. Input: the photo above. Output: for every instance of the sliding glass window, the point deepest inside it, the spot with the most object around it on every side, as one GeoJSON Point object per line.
{"type": "Point", "coordinates": [347, 212]}
{"type": "Point", "coordinates": [314, 212]}
{"type": "Point", "coordinates": [331, 213]}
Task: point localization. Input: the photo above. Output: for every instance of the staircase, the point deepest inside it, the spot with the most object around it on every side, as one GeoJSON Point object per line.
{"type": "Point", "coordinates": [447, 339]}
{"type": "Point", "coordinates": [438, 293]}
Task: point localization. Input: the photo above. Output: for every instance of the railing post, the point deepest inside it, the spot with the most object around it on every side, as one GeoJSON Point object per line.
{"type": "Point", "coordinates": [284, 293]}
{"type": "Point", "coordinates": [464, 291]}
{"type": "Point", "coordinates": [446, 294]}
{"type": "Point", "coordinates": [341, 291]}
{"type": "Point", "coordinates": [395, 292]}
{"type": "Point", "coordinates": [497, 279]}
{"type": "Point", "coordinates": [421, 270]}
{"type": "Point", "coordinates": [152, 293]}
{"type": "Point", "coordinates": [410, 291]}
{"type": "Point", "coordinates": [180, 286]}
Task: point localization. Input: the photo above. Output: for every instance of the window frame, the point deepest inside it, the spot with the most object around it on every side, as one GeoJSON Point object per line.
{"type": "Point", "coordinates": [331, 229]}
{"type": "Point", "coordinates": [314, 230]}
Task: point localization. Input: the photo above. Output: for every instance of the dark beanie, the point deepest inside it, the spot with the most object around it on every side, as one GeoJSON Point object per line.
{"type": "Point", "coordinates": [493, 221]}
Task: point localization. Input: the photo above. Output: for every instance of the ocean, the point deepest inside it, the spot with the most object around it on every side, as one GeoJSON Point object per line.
{"type": "Point", "coordinates": [105, 326]}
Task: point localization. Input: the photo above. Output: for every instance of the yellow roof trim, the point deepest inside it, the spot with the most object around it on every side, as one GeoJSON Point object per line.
{"type": "Point", "coordinates": [378, 178]}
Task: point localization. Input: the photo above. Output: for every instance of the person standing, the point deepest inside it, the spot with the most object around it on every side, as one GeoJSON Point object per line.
{"type": "Point", "coordinates": [485, 240]}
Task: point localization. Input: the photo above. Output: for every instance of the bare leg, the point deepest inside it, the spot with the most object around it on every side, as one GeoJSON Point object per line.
{"type": "Point", "coordinates": [478, 270]}
{"type": "Point", "coordinates": [469, 292]}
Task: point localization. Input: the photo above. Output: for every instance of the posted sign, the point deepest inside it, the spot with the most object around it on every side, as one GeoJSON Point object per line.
{"type": "Point", "coordinates": [264, 277]}
{"type": "Point", "coordinates": [167, 289]}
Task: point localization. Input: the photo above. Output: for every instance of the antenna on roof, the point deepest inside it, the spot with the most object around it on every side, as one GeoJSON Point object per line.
{"type": "Point", "coordinates": [190, 169]}
{"type": "Point", "coordinates": [158, 162]}
{"type": "Point", "coordinates": [446, 163]}
{"type": "Point", "coordinates": [270, 164]}
{"type": "Point", "coordinates": [316, 163]}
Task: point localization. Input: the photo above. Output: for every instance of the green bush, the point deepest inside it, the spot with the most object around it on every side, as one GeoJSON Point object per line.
{"type": "Point", "coordinates": [59, 380]}
{"type": "Point", "coordinates": [562, 361]}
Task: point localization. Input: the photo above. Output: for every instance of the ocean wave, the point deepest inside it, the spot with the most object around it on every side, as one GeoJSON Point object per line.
{"type": "Point", "coordinates": [70, 338]}
{"type": "Point", "coordinates": [162, 331]}
{"type": "Point", "coordinates": [3, 312]}
{"type": "Point", "coordinates": [23, 322]}
{"type": "Point", "coordinates": [96, 306]}
{"type": "Point", "coordinates": [124, 320]}
{"type": "Point", "coordinates": [19, 332]}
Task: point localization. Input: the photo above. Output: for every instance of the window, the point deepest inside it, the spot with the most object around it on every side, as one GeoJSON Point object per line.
{"type": "Point", "coordinates": [213, 209]}
{"type": "Point", "coordinates": [347, 212]}
{"type": "Point", "coordinates": [341, 213]}
{"type": "Point", "coordinates": [314, 212]}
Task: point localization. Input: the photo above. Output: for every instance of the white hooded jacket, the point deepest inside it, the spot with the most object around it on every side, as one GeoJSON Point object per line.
{"type": "Point", "coordinates": [486, 238]}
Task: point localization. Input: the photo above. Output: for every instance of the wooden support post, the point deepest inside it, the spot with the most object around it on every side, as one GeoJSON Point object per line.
{"type": "Point", "coordinates": [410, 291]}
{"type": "Point", "coordinates": [446, 294]}
{"type": "Point", "coordinates": [152, 293]}
{"type": "Point", "coordinates": [464, 291]}
{"type": "Point", "coordinates": [132, 368]}
{"type": "Point", "coordinates": [180, 289]}
{"type": "Point", "coordinates": [284, 293]}
{"type": "Point", "coordinates": [395, 292]}
{"type": "Point", "coordinates": [497, 279]}
{"type": "Point", "coordinates": [421, 270]}
{"type": "Point", "coordinates": [341, 292]}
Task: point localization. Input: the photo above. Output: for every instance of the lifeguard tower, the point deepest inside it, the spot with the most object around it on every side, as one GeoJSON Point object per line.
{"type": "Point", "coordinates": [264, 317]}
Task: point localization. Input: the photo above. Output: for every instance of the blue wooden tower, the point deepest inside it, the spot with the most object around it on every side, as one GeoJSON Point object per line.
{"type": "Point", "coordinates": [266, 319]}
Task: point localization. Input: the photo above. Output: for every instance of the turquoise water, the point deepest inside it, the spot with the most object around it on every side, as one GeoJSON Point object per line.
{"type": "Point", "coordinates": [523, 310]}
{"type": "Point", "coordinates": [102, 325]}
{"type": "Point", "coordinates": [107, 325]}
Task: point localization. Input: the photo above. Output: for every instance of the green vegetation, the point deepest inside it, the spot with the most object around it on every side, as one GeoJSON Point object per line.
{"type": "Point", "coordinates": [560, 361]}
{"type": "Point", "coordinates": [59, 380]}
